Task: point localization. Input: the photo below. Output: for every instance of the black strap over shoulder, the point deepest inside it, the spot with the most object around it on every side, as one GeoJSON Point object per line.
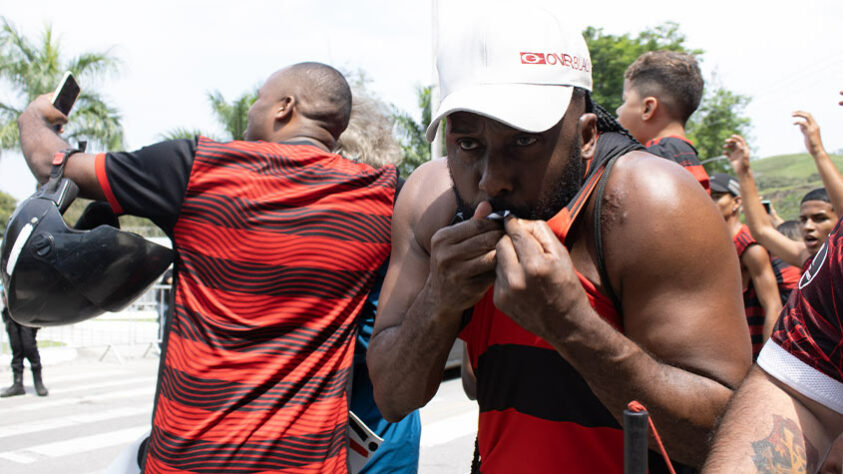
{"type": "Point", "coordinates": [611, 146]}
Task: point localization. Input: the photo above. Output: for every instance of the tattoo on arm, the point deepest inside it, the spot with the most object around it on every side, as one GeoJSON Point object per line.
{"type": "Point", "coordinates": [784, 450]}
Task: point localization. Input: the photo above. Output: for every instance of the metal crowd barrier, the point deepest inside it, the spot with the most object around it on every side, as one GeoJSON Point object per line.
{"type": "Point", "coordinates": [133, 332]}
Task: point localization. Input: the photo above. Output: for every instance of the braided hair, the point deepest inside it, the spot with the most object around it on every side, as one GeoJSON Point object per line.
{"type": "Point", "coordinates": [605, 121]}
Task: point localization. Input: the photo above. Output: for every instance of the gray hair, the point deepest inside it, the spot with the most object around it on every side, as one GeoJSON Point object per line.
{"type": "Point", "coordinates": [368, 137]}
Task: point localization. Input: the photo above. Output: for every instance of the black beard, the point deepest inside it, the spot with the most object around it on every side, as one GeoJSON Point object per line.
{"type": "Point", "coordinates": [563, 191]}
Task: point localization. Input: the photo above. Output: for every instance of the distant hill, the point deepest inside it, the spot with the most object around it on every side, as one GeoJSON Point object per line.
{"type": "Point", "coordinates": [785, 179]}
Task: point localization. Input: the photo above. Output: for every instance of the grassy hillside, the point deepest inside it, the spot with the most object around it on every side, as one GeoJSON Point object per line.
{"type": "Point", "coordinates": [784, 180]}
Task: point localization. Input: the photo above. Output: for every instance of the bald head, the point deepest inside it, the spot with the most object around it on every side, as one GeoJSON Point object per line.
{"type": "Point", "coordinates": [306, 99]}
{"type": "Point", "coordinates": [322, 93]}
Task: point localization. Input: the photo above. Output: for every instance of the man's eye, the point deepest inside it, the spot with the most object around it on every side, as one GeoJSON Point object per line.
{"type": "Point", "coordinates": [468, 144]}
{"type": "Point", "coordinates": [525, 140]}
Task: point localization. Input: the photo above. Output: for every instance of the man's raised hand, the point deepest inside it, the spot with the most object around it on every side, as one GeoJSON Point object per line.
{"type": "Point", "coordinates": [810, 130]}
{"type": "Point", "coordinates": [737, 151]}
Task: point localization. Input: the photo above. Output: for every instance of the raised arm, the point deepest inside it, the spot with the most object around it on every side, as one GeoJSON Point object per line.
{"type": "Point", "coordinates": [40, 142]}
{"type": "Point", "coordinates": [435, 273]}
{"type": "Point", "coordinates": [685, 343]}
{"type": "Point", "coordinates": [769, 427]}
{"type": "Point", "coordinates": [792, 252]}
{"type": "Point", "coordinates": [830, 175]}
{"type": "Point", "coordinates": [757, 261]}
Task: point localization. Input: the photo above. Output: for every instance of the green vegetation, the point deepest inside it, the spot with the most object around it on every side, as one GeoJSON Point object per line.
{"type": "Point", "coordinates": [785, 179]}
{"type": "Point", "coordinates": [33, 68]}
{"type": "Point", "coordinates": [720, 113]}
{"type": "Point", "coordinates": [411, 134]}
{"type": "Point", "coordinates": [7, 206]}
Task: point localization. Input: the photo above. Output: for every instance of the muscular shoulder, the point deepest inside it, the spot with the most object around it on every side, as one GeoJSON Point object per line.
{"type": "Point", "coordinates": [654, 205]}
{"type": "Point", "coordinates": [426, 203]}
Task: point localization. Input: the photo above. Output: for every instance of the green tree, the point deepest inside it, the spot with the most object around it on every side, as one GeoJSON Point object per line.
{"type": "Point", "coordinates": [180, 133]}
{"type": "Point", "coordinates": [719, 116]}
{"type": "Point", "coordinates": [234, 116]}
{"type": "Point", "coordinates": [7, 206]}
{"type": "Point", "coordinates": [613, 54]}
{"type": "Point", "coordinates": [720, 113]}
{"type": "Point", "coordinates": [32, 68]}
{"type": "Point", "coordinates": [411, 134]}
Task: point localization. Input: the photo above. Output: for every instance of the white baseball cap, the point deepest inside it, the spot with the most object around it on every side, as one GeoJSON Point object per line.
{"type": "Point", "coordinates": [515, 63]}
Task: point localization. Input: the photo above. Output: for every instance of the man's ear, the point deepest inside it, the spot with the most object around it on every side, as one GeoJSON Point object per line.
{"type": "Point", "coordinates": [284, 108]}
{"type": "Point", "coordinates": [651, 104]}
{"type": "Point", "coordinates": [588, 135]}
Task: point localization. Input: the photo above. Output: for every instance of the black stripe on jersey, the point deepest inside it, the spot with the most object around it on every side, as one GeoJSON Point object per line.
{"type": "Point", "coordinates": [274, 280]}
{"type": "Point", "coordinates": [305, 171]}
{"type": "Point", "coordinates": [225, 396]}
{"type": "Point", "coordinates": [237, 213]}
{"type": "Point", "coordinates": [281, 453]}
{"type": "Point", "coordinates": [755, 320]}
{"type": "Point", "coordinates": [289, 338]}
{"type": "Point", "coordinates": [537, 382]}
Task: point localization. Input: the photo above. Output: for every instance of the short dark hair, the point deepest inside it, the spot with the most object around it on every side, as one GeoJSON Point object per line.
{"type": "Point", "coordinates": [792, 229]}
{"type": "Point", "coordinates": [672, 77]}
{"type": "Point", "coordinates": [819, 194]}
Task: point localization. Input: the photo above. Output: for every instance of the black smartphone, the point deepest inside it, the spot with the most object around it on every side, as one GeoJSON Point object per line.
{"type": "Point", "coordinates": [66, 93]}
{"type": "Point", "coordinates": [766, 204]}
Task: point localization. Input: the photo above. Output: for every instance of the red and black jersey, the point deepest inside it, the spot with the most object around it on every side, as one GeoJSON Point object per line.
{"type": "Point", "coordinates": [806, 348]}
{"type": "Point", "coordinates": [277, 244]}
{"type": "Point", "coordinates": [537, 413]}
{"type": "Point", "coordinates": [752, 305]}
{"type": "Point", "coordinates": [682, 151]}
{"type": "Point", "coordinates": [786, 278]}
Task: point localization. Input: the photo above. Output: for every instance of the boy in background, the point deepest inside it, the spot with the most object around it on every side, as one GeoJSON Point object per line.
{"type": "Point", "coordinates": [661, 90]}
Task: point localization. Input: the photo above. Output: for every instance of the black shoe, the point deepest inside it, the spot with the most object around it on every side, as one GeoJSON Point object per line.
{"type": "Point", "coordinates": [40, 389]}
{"type": "Point", "coordinates": [15, 389]}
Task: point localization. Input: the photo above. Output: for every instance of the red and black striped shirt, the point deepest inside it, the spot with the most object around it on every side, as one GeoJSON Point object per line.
{"type": "Point", "coordinates": [806, 348]}
{"type": "Point", "coordinates": [277, 247]}
{"type": "Point", "coordinates": [680, 150]}
{"type": "Point", "coordinates": [786, 278]}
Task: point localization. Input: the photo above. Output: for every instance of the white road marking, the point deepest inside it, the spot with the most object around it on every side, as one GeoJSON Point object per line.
{"type": "Point", "coordinates": [112, 383]}
{"type": "Point", "coordinates": [136, 392]}
{"type": "Point", "coordinates": [49, 375]}
{"type": "Point", "coordinates": [34, 426]}
{"type": "Point", "coordinates": [449, 429]}
{"type": "Point", "coordinates": [78, 445]}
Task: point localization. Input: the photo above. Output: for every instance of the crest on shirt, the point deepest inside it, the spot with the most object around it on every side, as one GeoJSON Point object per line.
{"type": "Point", "coordinates": [816, 265]}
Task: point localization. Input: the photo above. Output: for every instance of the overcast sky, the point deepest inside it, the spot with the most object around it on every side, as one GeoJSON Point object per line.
{"type": "Point", "coordinates": [785, 57]}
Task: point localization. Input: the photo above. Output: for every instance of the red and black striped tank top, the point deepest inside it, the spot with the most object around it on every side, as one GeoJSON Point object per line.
{"type": "Point", "coordinates": [787, 277]}
{"type": "Point", "coordinates": [537, 414]}
{"type": "Point", "coordinates": [278, 247]}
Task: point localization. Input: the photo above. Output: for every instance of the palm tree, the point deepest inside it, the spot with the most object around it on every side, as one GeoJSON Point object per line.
{"type": "Point", "coordinates": [181, 133]}
{"type": "Point", "coordinates": [35, 68]}
{"type": "Point", "coordinates": [233, 116]}
{"type": "Point", "coordinates": [411, 134]}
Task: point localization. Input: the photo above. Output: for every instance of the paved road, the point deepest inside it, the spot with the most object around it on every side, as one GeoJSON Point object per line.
{"type": "Point", "coordinates": [96, 408]}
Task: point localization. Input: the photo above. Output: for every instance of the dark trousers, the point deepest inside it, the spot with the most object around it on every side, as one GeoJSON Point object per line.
{"type": "Point", "coordinates": [22, 340]}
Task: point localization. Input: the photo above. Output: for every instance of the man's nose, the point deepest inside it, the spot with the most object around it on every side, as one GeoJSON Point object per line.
{"type": "Point", "coordinates": [495, 178]}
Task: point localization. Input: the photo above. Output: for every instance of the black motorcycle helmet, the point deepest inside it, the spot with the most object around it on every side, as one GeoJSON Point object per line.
{"type": "Point", "coordinates": [53, 274]}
